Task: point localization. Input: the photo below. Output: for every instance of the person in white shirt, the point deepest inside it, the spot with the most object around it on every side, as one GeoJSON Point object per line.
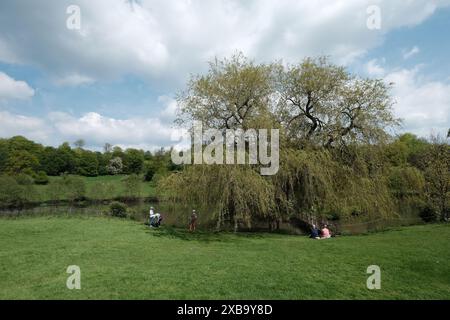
{"type": "Point", "coordinates": [154, 219]}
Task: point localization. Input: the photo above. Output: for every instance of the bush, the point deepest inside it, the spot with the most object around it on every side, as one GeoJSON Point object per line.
{"type": "Point", "coordinates": [118, 209]}
{"type": "Point", "coordinates": [41, 178]}
{"type": "Point", "coordinates": [75, 188]}
{"type": "Point", "coordinates": [428, 214]}
{"type": "Point", "coordinates": [132, 186]}
{"type": "Point", "coordinates": [149, 173]}
{"type": "Point", "coordinates": [11, 193]}
{"type": "Point", "coordinates": [24, 179]}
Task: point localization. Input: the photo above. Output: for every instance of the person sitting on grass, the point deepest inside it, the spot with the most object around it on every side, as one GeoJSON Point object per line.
{"type": "Point", "coordinates": [315, 233]}
{"type": "Point", "coordinates": [155, 219]}
{"type": "Point", "coordinates": [193, 221]}
{"type": "Point", "coordinates": [325, 233]}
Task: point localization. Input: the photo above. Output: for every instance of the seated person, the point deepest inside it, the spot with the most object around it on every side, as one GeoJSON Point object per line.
{"type": "Point", "coordinates": [325, 233]}
{"type": "Point", "coordinates": [315, 233]}
{"type": "Point", "coordinates": [155, 219]}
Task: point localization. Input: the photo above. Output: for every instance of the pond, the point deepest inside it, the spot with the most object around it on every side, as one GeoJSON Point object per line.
{"type": "Point", "coordinates": [178, 216]}
{"type": "Point", "coordinates": [139, 211]}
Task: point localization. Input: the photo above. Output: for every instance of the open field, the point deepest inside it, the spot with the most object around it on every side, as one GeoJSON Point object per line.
{"type": "Point", "coordinates": [115, 183]}
{"type": "Point", "coordinates": [122, 259]}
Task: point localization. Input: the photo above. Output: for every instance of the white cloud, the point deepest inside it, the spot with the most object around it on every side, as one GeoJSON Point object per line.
{"type": "Point", "coordinates": [424, 105]}
{"type": "Point", "coordinates": [94, 128]}
{"type": "Point", "coordinates": [32, 127]}
{"type": "Point", "coordinates": [374, 69]}
{"type": "Point", "coordinates": [408, 54]}
{"type": "Point", "coordinates": [73, 80]}
{"type": "Point", "coordinates": [13, 89]}
{"type": "Point", "coordinates": [167, 40]}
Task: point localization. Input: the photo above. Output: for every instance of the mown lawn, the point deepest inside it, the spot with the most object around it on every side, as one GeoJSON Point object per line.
{"type": "Point", "coordinates": [122, 259]}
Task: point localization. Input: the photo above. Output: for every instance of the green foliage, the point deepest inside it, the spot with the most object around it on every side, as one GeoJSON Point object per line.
{"type": "Point", "coordinates": [17, 191]}
{"type": "Point", "coordinates": [87, 163]}
{"type": "Point", "coordinates": [74, 187]}
{"type": "Point", "coordinates": [134, 161]}
{"type": "Point", "coordinates": [437, 176]}
{"type": "Point", "coordinates": [118, 209]}
{"type": "Point", "coordinates": [41, 178]}
{"type": "Point", "coordinates": [102, 190]}
{"type": "Point", "coordinates": [11, 193]}
{"type": "Point", "coordinates": [21, 161]}
{"type": "Point", "coordinates": [150, 171]}
{"type": "Point", "coordinates": [133, 187]}
{"type": "Point", "coordinates": [115, 166]}
{"type": "Point", "coordinates": [429, 214]}
{"type": "Point", "coordinates": [228, 194]}
{"type": "Point", "coordinates": [405, 181]}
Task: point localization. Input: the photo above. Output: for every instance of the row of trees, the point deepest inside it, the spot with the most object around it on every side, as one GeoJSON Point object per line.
{"type": "Point", "coordinates": [339, 158]}
{"type": "Point", "coordinates": [19, 155]}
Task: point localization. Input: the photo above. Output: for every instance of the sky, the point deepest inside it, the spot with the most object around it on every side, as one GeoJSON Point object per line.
{"type": "Point", "coordinates": [114, 76]}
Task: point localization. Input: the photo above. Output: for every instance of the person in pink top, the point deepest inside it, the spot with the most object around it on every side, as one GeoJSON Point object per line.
{"type": "Point", "coordinates": [325, 234]}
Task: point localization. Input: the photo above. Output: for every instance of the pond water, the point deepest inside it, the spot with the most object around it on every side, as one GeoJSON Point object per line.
{"type": "Point", "coordinates": [177, 216]}
{"type": "Point", "coordinates": [172, 215]}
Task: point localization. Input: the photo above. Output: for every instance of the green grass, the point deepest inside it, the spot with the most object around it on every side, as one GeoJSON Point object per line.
{"type": "Point", "coordinates": [148, 190]}
{"type": "Point", "coordinates": [122, 259]}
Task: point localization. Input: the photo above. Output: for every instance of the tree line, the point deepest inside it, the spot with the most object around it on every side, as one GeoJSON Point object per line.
{"type": "Point", "coordinates": [19, 155]}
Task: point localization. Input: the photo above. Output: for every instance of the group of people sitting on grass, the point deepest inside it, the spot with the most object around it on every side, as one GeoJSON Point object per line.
{"type": "Point", "coordinates": [317, 233]}
{"type": "Point", "coordinates": [155, 220]}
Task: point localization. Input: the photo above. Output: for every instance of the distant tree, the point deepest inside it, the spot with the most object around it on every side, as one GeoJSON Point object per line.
{"type": "Point", "coordinates": [107, 148]}
{"type": "Point", "coordinates": [115, 166]}
{"type": "Point", "coordinates": [80, 143]}
{"type": "Point", "coordinates": [21, 161]}
{"type": "Point", "coordinates": [103, 161]}
{"type": "Point", "coordinates": [3, 155]}
{"type": "Point", "coordinates": [150, 171]}
{"type": "Point", "coordinates": [88, 164]}
{"type": "Point", "coordinates": [66, 159]}
{"type": "Point", "coordinates": [134, 161]}
{"type": "Point", "coordinates": [437, 175]}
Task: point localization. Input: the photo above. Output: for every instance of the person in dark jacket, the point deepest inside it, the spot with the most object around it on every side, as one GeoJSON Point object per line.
{"type": "Point", "coordinates": [315, 233]}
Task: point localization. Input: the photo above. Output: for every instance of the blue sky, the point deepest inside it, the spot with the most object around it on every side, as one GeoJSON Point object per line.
{"type": "Point", "coordinates": [115, 79]}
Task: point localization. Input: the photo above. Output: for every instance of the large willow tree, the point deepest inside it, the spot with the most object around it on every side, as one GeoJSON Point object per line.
{"type": "Point", "coordinates": [323, 112]}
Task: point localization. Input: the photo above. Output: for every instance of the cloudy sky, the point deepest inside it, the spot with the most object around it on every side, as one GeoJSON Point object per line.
{"type": "Point", "coordinates": [114, 79]}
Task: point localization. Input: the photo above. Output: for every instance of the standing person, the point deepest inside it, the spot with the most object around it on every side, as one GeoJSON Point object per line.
{"type": "Point", "coordinates": [193, 221]}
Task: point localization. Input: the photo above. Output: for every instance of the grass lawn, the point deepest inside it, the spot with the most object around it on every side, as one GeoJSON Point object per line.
{"type": "Point", "coordinates": [122, 259]}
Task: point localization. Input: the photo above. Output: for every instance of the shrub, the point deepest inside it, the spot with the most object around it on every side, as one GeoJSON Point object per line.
{"type": "Point", "coordinates": [11, 193]}
{"type": "Point", "coordinates": [41, 178]}
{"type": "Point", "coordinates": [75, 188]}
{"type": "Point", "coordinates": [24, 179]}
{"type": "Point", "coordinates": [132, 186]}
{"type": "Point", "coordinates": [149, 173]}
{"type": "Point", "coordinates": [118, 209]}
{"type": "Point", "coordinates": [428, 214]}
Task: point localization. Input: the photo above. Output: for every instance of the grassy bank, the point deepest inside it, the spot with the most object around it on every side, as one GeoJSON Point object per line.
{"type": "Point", "coordinates": [124, 259]}
{"type": "Point", "coordinates": [113, 183]}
